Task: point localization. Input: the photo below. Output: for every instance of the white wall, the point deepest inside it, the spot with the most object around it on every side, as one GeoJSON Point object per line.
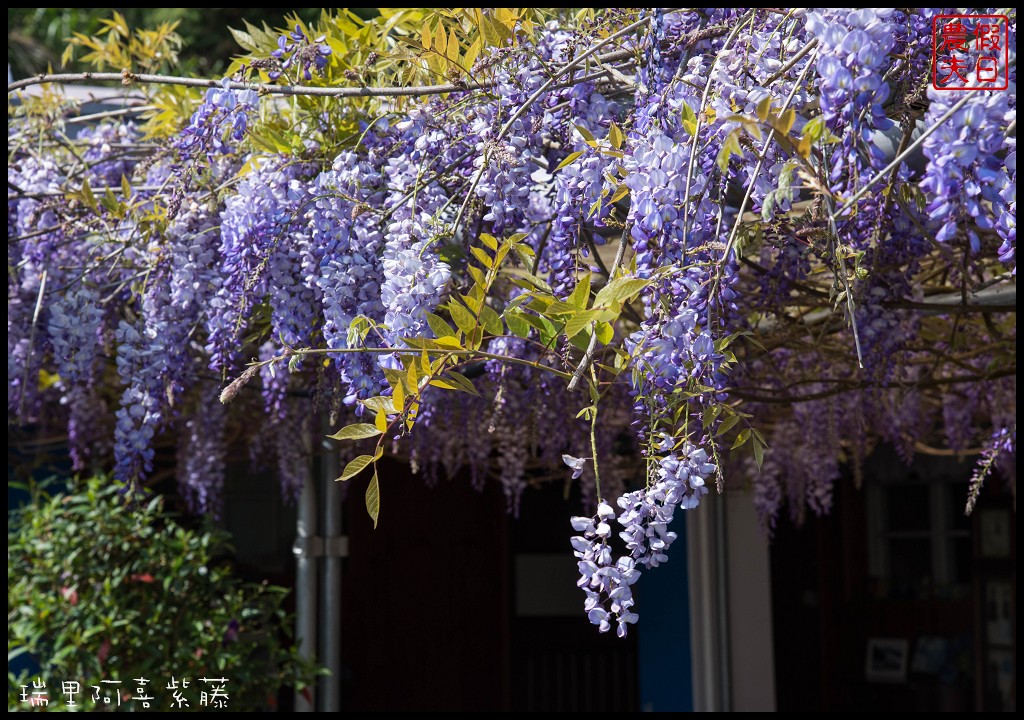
{"type": "Point", "coordinates": [750, 608]}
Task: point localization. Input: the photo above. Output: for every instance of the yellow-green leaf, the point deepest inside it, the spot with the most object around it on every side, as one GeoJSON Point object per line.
{"type": "Point", "coordinates": [516, 324]}
{"type": "Point", "coordinates": [463, 318]}
{"type": "Point", "coordinates": [463, 382]}
{"type": "Point", "coordinates": [569, 159]}
{"type": "Point", "coordinates": [727, 424]}
{"type": "Point", "coordinates": [397, 397]}
{"type": "Point", "coordinates": [581, 293]}
{"type": "Point", "coordinates": [357, 431]}
{"type": "Point", "coordinates": [620, 192]}
{"type": "Point", "coordinates": [814, 128]}
{"type": "Point", "coordinates": [412, 378]}
{"type": "Point", "coordinates": [763, 108]}
{"type": "Point", "coordinates": [439, 326]}
{"type": "Point", "coordinates": [440, 39]}
{"type": "Point", "coordinates": [356, 466]}
{"type": "Point", "coordinates": [619, 290]}
{"type": "Point", "coordinates": [689, 118]}
{"type": "Point", "coordinates": [578, 323]}
{"type": "Point", "coordinates": [482, 256]}
{"type": "Point", "coordinates": [615, 136]}
{"type": "Point", "coordinates": [742, 438]}
{"type": "Point", "coordinates": [803, 147]}
{"type": "Point", "coordinates": [561, 308]}
{"type": "Point", "coordinates": [784, 123]}
{"type": "Point", "coordinates": [448, 342]}
{"type": "Point", "coordinates": [587, 135]}
{"type": "Point", "coordinates": [730, 147]}
{"type": "Point", "coordinates": [446, 384]}
{"type": "Point", "coordinates": [373, 500]}
{"type": "Point", "coordinates": [452, 51]}
{"type": "Point", "coordinates": [491, 321]}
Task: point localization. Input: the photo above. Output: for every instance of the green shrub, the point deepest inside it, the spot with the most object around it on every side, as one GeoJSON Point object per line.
{"type": "Point", "coordinates": [102, 589]}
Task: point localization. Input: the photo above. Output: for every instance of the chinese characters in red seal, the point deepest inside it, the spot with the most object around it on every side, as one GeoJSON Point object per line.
{"type": "Point", "coordinates": [970, 52]}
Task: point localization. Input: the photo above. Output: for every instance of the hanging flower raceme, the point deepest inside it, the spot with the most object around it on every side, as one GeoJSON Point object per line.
{"type": "Point", "coordinates": [220, 122]}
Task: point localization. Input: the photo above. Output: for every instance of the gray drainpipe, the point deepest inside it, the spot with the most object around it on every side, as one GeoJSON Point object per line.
{"type": "Point", "coordinates": [309, 547]}
{"type": "Point", "coordinates": [305, 584]}
{"type": "Point", "coordinates": [335, 547]}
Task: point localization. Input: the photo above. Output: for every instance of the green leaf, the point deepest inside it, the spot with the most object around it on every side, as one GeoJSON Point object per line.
{"type": "Point", "coordinates": [439, 326]}
{"type": "Point", "coordinates": [763, 108]}
{"type": "Point", "coordinates": [615, 136]}
{"type": "Point", "coordinates": [463, 318]}
{"type": "Point", "coordinates": [587, 135]}
{"type": "Point", "coordinates": [586, 413]}
{"type": "Point", "coordinates": [358, 431]}
{"type": "Point", "coordinates": [356, 466]}
{"type": "Point", "coordinates": [482, 256]}
{"type": "Point", "coordinates": [580, 341]}
{"type": "Point", "coordinates": [560, 308]}
{"type": "Point", "coordinates": [727, 424]}
{"type": "Point", "coordinates": [581, 293]}
{"type": "Point", "coordinates": [741, 438]}
{"type": "Point", "coordinates": [489, 240]}
{"type": "Point", "coordinates": [569, 159]}
{"type": "Point", "coordinates": [759, 437]}
{"type": "Point", "coordinates": [620, 192]}
{"type": "Point", "coordinates": [398, 398]}
{"type": "Point", "coordinates": [730, 147]}
{"type": "Point", "coordinates": [758, 454]}
{"type": "Point", "coordinates": [379, 403]}
{"type": "Point", "coordinates": [373, 500]}
{"type": "Point", "coordinates": [605, 333]}
{"type": "Point", "coordinates": [578, 323]}
{"type": "Point", "coordinates": [814, 128]}
{"type": "Point", "coordinates": [711, 414]}
{"type": "Point", "coordinates": [474, 338]}
{"type": "Point", "coordinates": [87, 195]}
{"type": "Point", "coordinates": [516, 324]}
{"type": "Point", "coordinates": [477, 274]}
{"type": "Point", "coordinates": [689, 118]}
{"type": "Point", "coordinates": [491, 321]}
{"type": "Point", "coordinates": [525, 253]}
{"type": "Point", "coordinates": [244, 39]}
{"type": "Point", "coordinates": [784, 122]}
{"type": "Point", "coordinates": [619, 290]}
{"type": "Point", "coordinates": [474, 299]}
{"type": "Point", "coordinates": [463, 382]}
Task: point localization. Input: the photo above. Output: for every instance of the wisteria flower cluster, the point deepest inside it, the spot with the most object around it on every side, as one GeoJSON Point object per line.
{"type": "Point", "coordinates": [679, 481]}
{"type": "Point", "coordinates": [648, 239]}
{"type": "Point", "coordinates": [299, 50]}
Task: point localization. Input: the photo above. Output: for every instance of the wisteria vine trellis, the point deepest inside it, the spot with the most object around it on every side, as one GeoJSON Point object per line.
{"type": "Point", "coordinates": [728, 229]}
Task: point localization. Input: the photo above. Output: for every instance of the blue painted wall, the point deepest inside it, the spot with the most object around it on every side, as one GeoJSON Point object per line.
{"type": "Point", "coordinates": [665, 656]}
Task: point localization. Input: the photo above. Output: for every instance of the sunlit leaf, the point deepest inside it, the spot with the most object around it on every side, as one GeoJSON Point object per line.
{"type": "Point", "coordinates": [358, 431]}
{"type": "Point", "coordinates": [373, 500]}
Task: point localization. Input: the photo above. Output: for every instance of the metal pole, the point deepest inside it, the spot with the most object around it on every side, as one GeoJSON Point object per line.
{"type": "Point", "coordinates": [305, 583]}
{"type": "Point", "coordinates": [335, 547]}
